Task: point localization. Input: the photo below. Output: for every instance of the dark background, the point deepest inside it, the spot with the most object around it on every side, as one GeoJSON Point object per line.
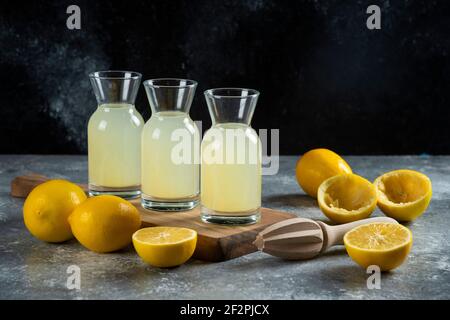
{"type": "Point", "coordinates": [325, 79]}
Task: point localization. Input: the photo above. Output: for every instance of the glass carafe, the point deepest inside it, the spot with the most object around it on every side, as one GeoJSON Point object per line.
{"type": "Point", "coordinates": [114, 134]}
{"type": "Point", "coordinates": [170, 147]}
{"type": "Point", "coordinates": [231, 159]}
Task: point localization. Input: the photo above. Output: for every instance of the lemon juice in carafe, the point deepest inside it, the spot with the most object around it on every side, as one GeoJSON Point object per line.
{"type": "Point", "coordinates": [170, 147]}
{"type": "Point", "coordinates": [163, 178]}
{"type": "Point", "coordinates": [231, 156]}
{"type": "Point", "coordinates": [114, 134]}
{"type": "Point", "coordinates": [232, 188]}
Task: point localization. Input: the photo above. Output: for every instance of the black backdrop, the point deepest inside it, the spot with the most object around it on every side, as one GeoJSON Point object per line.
{"type": "Point", "coordinates": [325, 79]}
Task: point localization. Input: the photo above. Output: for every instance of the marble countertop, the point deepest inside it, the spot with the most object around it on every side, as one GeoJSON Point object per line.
{"type": "Point", "coordinates": [30, 269]}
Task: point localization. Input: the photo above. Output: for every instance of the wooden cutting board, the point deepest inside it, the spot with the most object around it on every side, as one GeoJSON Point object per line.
{"type": "Point", "coordinates": [215, 242]}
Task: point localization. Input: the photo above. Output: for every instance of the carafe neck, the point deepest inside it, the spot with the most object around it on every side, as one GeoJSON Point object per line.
{"type": "Point", "coordinates": [115, 87]}
{"type": "Point", "coordinates": [231, 105]}
{"type": "Point", "coordinates": [170, 95]}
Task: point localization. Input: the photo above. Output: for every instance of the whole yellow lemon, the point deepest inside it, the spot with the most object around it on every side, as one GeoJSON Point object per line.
{"type": "Point", "coordinates": [316, 166]}
{"type": "Point", "coordinates": [47, 208]}
{"type": "Point", "coordinates": [105, 223]}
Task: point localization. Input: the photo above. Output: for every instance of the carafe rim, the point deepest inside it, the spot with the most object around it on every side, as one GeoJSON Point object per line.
{"type": "Point", "coordinates": [214, 93]}
{"type": "Point", "coordinates": [115, 74]}
{"type": "Point", "coordinates": [159, 83]}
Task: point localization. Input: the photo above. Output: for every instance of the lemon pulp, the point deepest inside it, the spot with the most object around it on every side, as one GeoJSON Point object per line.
{"type": "Point", "coordinates": [379, 236]}
{"type": "Point", "coordinates": [165, 246]}
{"type": "Point", "coordinates": [385, 245]}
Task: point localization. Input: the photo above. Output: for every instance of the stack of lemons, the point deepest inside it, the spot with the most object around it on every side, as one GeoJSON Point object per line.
{"type": "Point", "coordinates": [59, 210]}
{"type": "Point", "coordinates": [345, 197]}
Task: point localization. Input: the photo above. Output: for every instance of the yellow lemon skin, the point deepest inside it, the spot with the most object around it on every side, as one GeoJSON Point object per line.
{"type": "Point", "coordinates": [403, 194]}
{"type": "Point", "coordinates": [165, 247]}
{"type": "Point", "coordinates": [317, 165]}
{"type": "Point", "coordinates": [347, 198]}
{"type": "Point", "coordinates": [47, 208]}
{"type": "Point", "coordinates": [105, 223]}
{"type": "Point", "coordinates": [386, 257]}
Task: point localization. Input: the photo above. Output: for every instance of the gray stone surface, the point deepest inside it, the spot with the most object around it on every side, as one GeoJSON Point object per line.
{"type": "Point", "coordinates": [31, 269]}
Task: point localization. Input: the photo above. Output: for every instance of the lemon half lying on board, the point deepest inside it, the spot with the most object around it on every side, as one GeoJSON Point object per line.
{"type": "Point", "coordinates": [403, 194]}
{"type": "Point", "coordinates": [346, 198]}
{"type": "Point", "coordinates": [385, 245]}
{"type": "Point", "coordinates": [165, 247]}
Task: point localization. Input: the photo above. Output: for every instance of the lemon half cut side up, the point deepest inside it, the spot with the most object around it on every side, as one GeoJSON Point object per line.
{"type": "Point", "coordinates": [403, 194]}
{"type": "Point", "coordinates": [385, 245]}
{"type": "Point", "coordinates": [346, 198]}
{"type": "Point", "coordinates": [165, 247]}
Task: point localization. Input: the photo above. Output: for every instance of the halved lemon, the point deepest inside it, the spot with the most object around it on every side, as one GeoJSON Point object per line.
{"type": "Point", "coordinates": [403, 194]}
{"type": "Point", "coordinates": [346, 198]}
{"type": "Point", "coordinates": [165, 247]}
{"type": "Point", "coordinates": [385, 245]}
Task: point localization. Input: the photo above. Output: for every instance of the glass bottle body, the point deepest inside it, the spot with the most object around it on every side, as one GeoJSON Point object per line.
{"type": "Point", "coordinates": [233, 188]}
{"type": "Point", "coordinates": [169, 176]}
{"type": "Point", "coordinates": [170, 148]}
{"type": "Point", "coordinates": [231, 156]}
{"type": "Point", "coordinates": [114, 132]}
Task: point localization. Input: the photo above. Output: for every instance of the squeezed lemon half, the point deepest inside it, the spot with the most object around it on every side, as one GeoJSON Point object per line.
{"type": "Point", "coordinates": [403, 194]}
{"type": "Point", "coordinates": [165, 247]}
{"type": "Point", "coordinates": [346, 198]}
{"type": "Point", "coordinates": [383, 244]}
